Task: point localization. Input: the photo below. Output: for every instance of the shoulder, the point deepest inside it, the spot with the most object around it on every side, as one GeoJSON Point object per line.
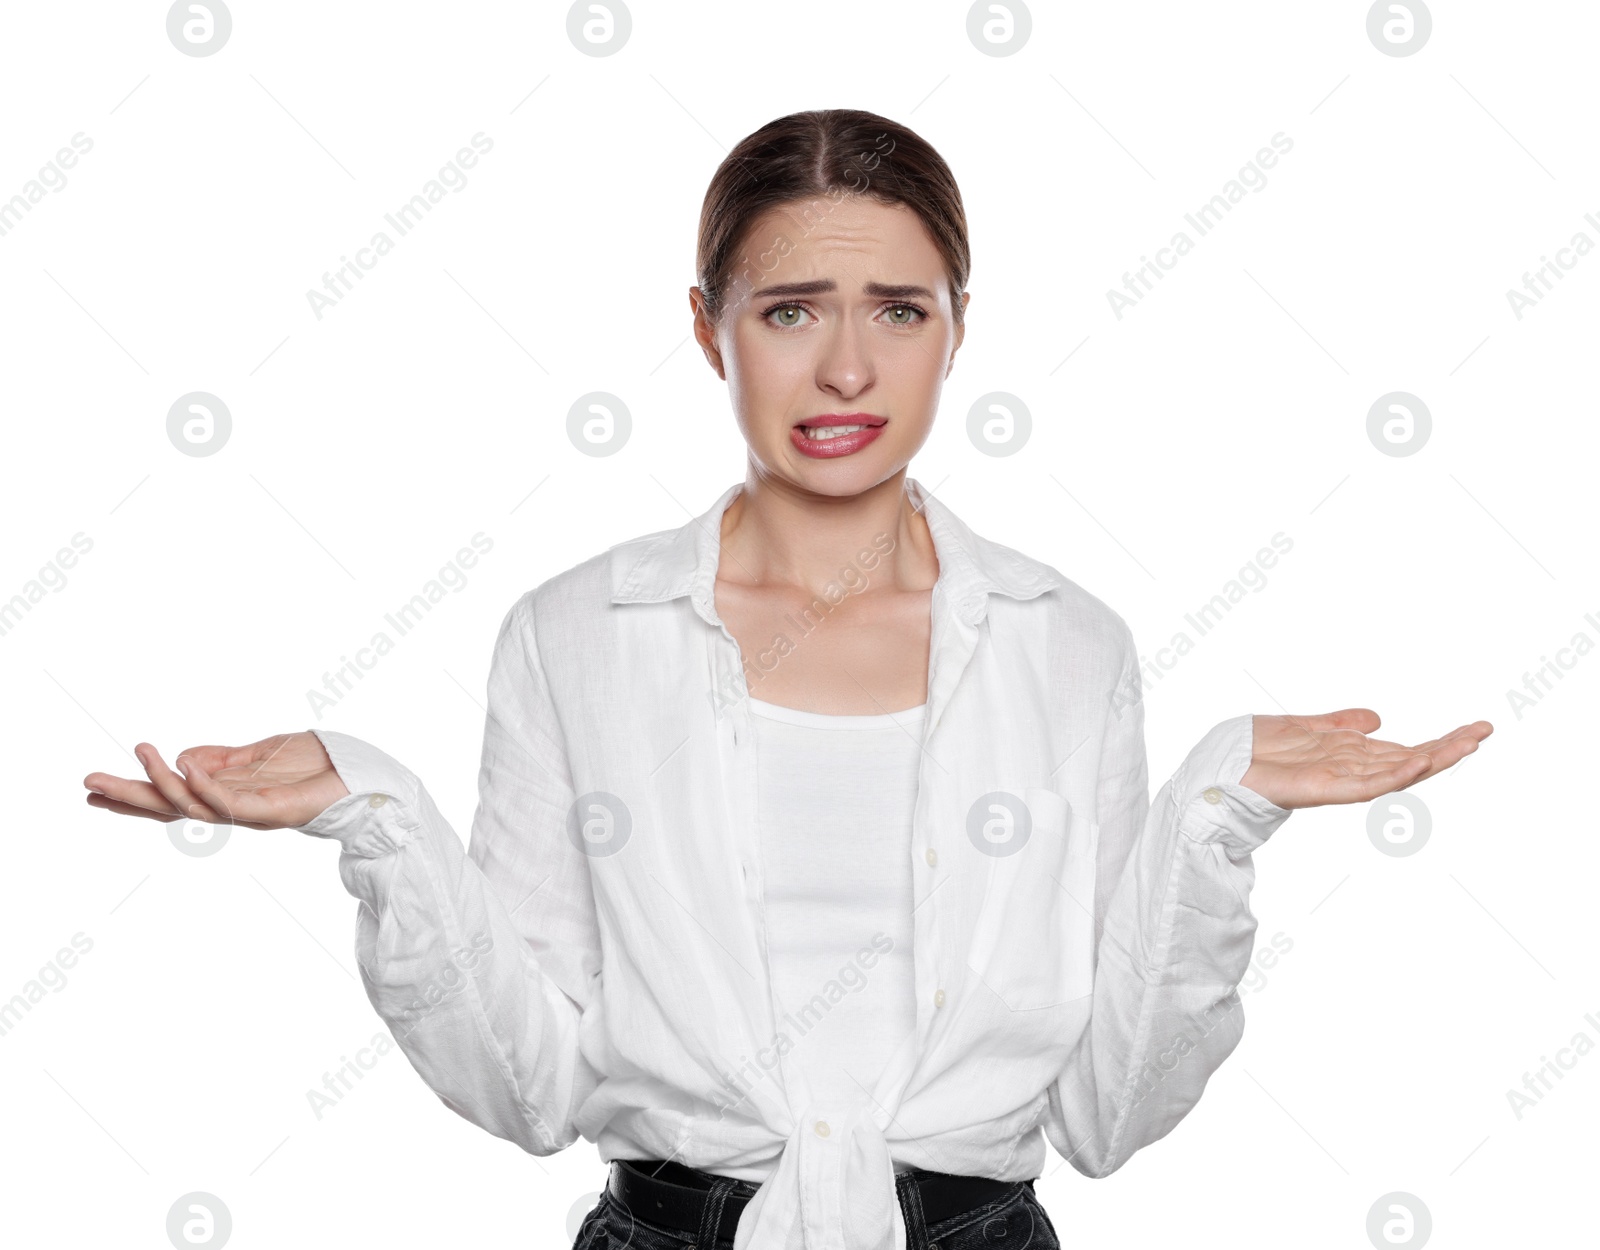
{"type": "Point", "coordinates": [1073, 614]}
{"type": "Point", "coordinates": [575, 602]}
{"type": "Point", "coordinates": [564, 604]}
{"type": "Point", "coordinates": [1090, 618]}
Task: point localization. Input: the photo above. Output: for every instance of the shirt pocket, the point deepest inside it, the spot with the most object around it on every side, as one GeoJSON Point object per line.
{"type": "Point", "coordinates": [1033, 943]}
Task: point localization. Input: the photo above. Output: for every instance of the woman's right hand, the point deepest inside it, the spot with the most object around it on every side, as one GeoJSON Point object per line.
{"type": "Point", "coordinates": [281, 782]}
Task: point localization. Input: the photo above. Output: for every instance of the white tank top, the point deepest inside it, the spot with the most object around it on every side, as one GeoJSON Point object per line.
{"type": "Point", "coordinates": [834, 799]}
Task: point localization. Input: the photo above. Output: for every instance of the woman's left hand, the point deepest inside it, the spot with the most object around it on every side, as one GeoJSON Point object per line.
{"type": "Point", "coordinates": [1309, 761]}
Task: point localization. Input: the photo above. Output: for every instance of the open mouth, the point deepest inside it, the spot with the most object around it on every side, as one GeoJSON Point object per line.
{"type": "Point", "coordinates": [821, 433]}
{"type": "Point", "coordinates": [835, 435]}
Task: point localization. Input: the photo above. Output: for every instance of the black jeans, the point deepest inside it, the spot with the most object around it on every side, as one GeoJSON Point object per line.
{"type": "Point", "coordinates": [1016, 1221]}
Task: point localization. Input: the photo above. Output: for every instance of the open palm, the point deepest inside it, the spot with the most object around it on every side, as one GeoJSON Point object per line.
{"type": "Point", "coordinates": [1309, 761]}
{"type": "Point", "coordinates": [280, 782]}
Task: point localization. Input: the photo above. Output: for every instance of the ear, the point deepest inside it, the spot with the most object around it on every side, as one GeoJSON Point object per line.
{"type": "Point", "coordinates": [961, 332]}
{"type": "Point", "coordinates": [705, 332]}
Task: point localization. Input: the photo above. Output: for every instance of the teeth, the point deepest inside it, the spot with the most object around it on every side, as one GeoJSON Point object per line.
{"type": "Point", "coordinates": [830, 431]}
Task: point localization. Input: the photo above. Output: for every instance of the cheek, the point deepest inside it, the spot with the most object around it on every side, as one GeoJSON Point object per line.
{"type": "Point", "coordinates": [759, 365]}
{"type": "Point", "coordinates": [762, 380]}
{"type": "Point", "coordinates": [915, 367]}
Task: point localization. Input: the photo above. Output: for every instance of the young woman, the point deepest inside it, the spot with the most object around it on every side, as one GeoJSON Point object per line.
{"type": "Point", "coordinates": [815, 876]}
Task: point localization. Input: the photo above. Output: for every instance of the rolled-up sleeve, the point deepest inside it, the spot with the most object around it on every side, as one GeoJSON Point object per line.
{"type": "Point", "coordinates": [481, 961]}
{"type": "Point", "coordinates": [379, 814]}
{"type": "Point", "coordinates": [1174, 936]}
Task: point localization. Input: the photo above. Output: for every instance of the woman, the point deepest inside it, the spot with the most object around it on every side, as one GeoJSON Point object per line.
{"type": "Point", "coordinates": [814, 875]}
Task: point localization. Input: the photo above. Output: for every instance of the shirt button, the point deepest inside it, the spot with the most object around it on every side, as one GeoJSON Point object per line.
{"type": "Point", "coordinates": [932, 856]}
{"type": "Point", "coordinates": [822, 1128]}
{"type": "Point", "coordinates": [377, 800]}
{"type": "Point", "coordinates": [938, 998]}
{"type": "Point", "coordinates": [1212, 794]}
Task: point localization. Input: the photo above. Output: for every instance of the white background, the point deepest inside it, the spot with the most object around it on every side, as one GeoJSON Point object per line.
{"type": "Point", "coordinates": [430, 404]}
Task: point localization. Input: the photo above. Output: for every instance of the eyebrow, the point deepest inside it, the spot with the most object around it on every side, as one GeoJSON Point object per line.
{"type": "Point", "coordinates": [821, 286]}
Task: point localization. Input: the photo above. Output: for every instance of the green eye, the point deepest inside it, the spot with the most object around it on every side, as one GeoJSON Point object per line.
{"type": "Point", "coordinates": [788, 315]}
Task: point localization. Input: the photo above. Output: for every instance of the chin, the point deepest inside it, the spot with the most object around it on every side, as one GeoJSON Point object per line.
{"type": "Point", "coordinates": [850, 476]}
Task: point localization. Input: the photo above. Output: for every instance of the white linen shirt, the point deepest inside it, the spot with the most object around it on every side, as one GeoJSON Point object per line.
{"type": "Point", "coordinates": [595, 963]}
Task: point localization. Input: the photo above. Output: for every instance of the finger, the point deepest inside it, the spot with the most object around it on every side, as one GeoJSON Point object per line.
{"type": "Point", "coordinates": [1383, 750]}
{"type": "Point", "coordinates": [1447, 754]}
{"type": "Point", "coordinates": [241, 806]}
{"type": "Point", "coordinates": [1478, 730]}
{"type": "Point", "coordinates": [212, 757]}
{"type": "Point", "coordinates": [1404, 774]}
{"type": "Point", "coordinates": [1388, 753]}
{"type": "Point", "coordinates": [215, 759]}
{"type": "Point", "coordinates": [173, 787]}
{"type": "Point", "coordinates": [1363, 719]}
{"type": "Point", "coordinates": [124, 790]}
{"type": "Point", "coordinates": [128, 809]}
{"type": "Point", "coordinates": [1362, 787]}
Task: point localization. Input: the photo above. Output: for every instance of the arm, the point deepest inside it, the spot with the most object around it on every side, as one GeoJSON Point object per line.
{"type": "Point", "coordinates": [1173, 880]}
{"type": "Point", "coordinates": [481, 963]}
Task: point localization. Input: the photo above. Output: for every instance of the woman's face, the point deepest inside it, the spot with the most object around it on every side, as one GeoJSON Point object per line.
{"type": "Point", "coordinates": [838, 315]}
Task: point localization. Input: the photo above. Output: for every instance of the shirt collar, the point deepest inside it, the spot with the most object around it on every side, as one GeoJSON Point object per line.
{"type": "Point", "coordinates": [683, 561]}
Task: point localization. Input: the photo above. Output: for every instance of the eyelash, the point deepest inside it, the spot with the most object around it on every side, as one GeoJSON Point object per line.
{"type": "Point", "coordinates": [921, 312]}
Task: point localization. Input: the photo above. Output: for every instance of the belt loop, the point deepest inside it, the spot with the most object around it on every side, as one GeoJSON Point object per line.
{"type": "Point", "coordinates": [711, 1213]}
{"type": "Point", "coordinates": [905, 1184]}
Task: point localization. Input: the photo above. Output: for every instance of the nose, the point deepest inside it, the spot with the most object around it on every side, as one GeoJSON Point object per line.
{"type": "Point", "coordinates": [844, 364]}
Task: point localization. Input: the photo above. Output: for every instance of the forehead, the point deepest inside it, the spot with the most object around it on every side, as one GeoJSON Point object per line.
{"type": "Point", "coordinates": [855, 235]}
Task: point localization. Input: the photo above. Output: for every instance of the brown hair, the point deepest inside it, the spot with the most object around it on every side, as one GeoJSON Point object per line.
{"type": "Point", "coordinates": [823, 155]}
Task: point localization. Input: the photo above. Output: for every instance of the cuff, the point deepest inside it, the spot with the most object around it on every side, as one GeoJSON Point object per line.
{"type": "Point", "coordinates": [379, 815]}
{"type": "Point", "coordinates": [1212, 805]}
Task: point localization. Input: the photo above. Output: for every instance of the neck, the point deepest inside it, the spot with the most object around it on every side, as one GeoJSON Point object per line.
{"type": "Point", "coordinates": [776, 534]}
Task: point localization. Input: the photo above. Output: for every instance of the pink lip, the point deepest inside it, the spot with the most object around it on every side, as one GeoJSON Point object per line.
{"type": "Point", "coordinates": [845, 444]}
